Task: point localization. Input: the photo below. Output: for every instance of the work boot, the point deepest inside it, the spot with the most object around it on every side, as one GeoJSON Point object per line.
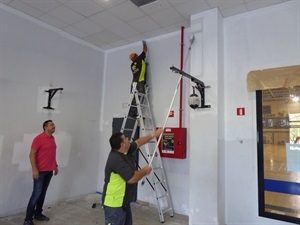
{"type": "Point", "coordinates": [28, 222]}
{"type": "Point", "coordinates": [41, 217]}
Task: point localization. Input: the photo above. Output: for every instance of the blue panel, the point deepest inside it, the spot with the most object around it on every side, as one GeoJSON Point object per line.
{"type": "Point", "coordinates": [284, 187]}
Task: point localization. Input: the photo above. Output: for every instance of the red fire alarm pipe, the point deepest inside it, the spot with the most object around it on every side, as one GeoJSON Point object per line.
{"type": "Point", "coordinates": [181, 68]}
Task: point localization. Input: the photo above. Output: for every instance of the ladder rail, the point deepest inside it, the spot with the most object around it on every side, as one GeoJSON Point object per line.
{"type": "Point", "coordinates": [160, 210]}
{"type": "Point", "coordinates": [125, 120]}
{"type": "Point", "coordinates": [154, 176]}
{"type": "Point", "coordinates": [146, 125]}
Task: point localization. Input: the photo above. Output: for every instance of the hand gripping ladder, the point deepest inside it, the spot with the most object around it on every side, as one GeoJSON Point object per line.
{"type": "Point", "coordinates": [145, 121]}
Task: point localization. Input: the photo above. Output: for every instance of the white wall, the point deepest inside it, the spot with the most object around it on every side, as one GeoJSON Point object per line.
{"type": "Point", "coordinates": [261, 39]}
{"type": "Point", "coordinates": [34, 57]}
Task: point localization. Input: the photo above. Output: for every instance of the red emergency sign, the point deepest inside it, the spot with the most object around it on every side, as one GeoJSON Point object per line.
{"type": "Point", "coordinates": [240, 111]}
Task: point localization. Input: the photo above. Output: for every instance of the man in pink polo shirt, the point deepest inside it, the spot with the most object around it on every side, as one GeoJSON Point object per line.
{"type": "Point", "coordinates": [43, 162]}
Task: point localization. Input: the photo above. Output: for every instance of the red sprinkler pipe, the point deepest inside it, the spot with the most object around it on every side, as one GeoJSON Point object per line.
{"type": "Point", "coordinates": [181, 68]}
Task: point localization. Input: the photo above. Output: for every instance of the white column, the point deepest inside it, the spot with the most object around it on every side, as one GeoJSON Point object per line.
{"type": "Point", "coordinates": [204, 122]}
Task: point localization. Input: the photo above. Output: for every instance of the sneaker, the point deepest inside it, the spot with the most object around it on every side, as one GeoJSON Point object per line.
{"type": "Point", "coordinates": [28, 222]}
{"type": "Point", "coordinates": [41, 217]}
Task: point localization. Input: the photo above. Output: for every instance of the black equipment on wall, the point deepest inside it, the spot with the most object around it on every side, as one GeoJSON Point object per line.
{"type": "Point", "coordinates": [200, 86]}
{"type": "Point", "coordinates": [51, 92]}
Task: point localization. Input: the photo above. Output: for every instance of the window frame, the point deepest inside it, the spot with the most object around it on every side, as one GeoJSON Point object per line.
{"type": "Point", "coordinates": [260, 167]}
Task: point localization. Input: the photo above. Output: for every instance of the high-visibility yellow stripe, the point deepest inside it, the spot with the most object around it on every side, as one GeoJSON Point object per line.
{"type": "Point", "coordinates": [115, 191]}
{"type": "Point", "coordinates": [143, 72]}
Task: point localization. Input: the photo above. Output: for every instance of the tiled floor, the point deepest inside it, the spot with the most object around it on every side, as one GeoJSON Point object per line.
{"type": "Point", "coordinates": [80, 212]}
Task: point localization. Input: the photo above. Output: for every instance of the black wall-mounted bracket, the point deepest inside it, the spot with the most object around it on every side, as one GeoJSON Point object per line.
{"type": "Point", "coordinates": [200, 86]}
{"type": "Point", "coordinates": [51, 92]}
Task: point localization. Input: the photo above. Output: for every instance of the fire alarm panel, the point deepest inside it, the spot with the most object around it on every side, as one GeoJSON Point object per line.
{"type": "Point", "coordinates": [173, 143]}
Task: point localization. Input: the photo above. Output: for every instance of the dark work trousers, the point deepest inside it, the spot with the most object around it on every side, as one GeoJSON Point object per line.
{"type": "Point", "coordinates": [36, 202]}
{"type": "Point", "coordinates": [118, 216]}
{"type": "Point", "coordinates": [140, 87]}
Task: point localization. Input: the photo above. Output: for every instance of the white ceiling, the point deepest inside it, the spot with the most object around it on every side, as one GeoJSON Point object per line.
{"type": "Point", "coordinates": [112, 23]}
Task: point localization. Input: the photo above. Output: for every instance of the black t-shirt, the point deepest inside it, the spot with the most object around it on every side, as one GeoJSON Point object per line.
{"type": "Point", "coordinates": [138, 68]}
{"type": "Point", "coordinates": [118, 170]}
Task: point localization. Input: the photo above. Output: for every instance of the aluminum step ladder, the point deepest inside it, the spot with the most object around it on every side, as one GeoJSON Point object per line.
{"type": "Point", "coordinates": [145, 122]}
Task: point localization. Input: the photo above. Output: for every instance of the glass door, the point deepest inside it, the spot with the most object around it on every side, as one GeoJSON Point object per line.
{"type": "Point", "coordinates": [278, 123]}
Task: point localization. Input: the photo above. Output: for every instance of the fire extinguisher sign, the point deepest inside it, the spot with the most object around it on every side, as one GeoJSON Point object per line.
{"type": "Point", "coordinates": [171, 114]}
{"type": "Point", "coordinates": [240, 111]}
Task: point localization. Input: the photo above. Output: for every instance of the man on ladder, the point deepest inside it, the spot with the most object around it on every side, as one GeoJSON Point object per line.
{"type": "Point", "coordinates": [139, 72]}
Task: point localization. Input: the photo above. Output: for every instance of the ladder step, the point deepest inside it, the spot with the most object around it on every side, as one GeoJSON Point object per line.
{"type": "Point", "coordinates": [131, 118]}
{"type": "Point", "coordinates": [147, 129]}
{"type": "Point", "coordinates": [134, 106]}
{"type": "Point", "coordinates": [144, 122]}
{"type": "Point", "coordinates": [167, 210]}
{"type": "Point", "coordinates": [159, 182]}
{"type": "Point", "coordinates": [145, 105]}
{"type": "Point", "coordinates": [128, 129]}
{"type": "Point", "coordinates": [162, 196]}
{"type": "Point", "coordinates": [146, 118]}
{"type": "Point", "coordinates": [157, 168]}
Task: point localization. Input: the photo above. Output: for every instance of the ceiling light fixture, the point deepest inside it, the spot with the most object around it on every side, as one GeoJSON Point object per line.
{"type": "Point", "coordinates": [140, 3]}
{"type": "Point", "coordinates": [295, 99]}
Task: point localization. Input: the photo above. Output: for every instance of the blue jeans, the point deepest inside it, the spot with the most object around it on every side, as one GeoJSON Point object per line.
{"type": "Point", "coordinates": [118, 216]}
{"type": "Point", "coordinates": [36, 202]}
